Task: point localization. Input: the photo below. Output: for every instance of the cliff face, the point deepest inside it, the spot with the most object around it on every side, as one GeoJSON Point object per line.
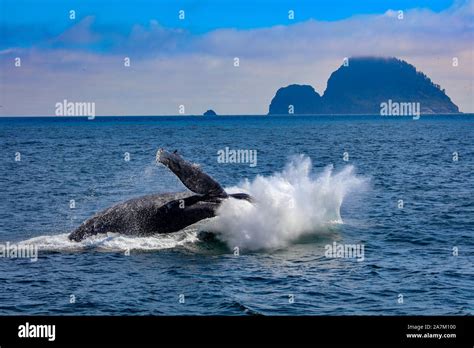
{"type": "Point", "coordinates": [364, 85]}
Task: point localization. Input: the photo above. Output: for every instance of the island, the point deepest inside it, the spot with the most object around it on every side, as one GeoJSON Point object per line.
{"type": "Point", "coordinates": [210, 113]}
{"type": "Point", "coordinates": [296, 99]}
{"type": "Point", "coordinates": [365, 86]}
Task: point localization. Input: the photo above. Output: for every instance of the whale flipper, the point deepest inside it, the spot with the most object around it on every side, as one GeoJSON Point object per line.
{"type": "Point", "coordinates": [190, 174]}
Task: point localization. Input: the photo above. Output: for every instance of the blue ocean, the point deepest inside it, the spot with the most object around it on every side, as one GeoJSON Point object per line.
{"type": "Point", "coordinates": [399, 189]}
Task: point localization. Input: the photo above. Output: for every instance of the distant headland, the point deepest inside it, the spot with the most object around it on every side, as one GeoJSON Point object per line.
{"type": "Point", "coordinates": [365, 85]}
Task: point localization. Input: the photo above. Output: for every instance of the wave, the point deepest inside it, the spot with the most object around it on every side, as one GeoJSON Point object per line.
{"type": "Point", "coordinates": [114, 242]}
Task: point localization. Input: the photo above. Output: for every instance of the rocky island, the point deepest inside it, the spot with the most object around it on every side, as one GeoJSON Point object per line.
{"type": "Point", "coordinates": [210, 113]}
{"type": "Point", "coordinates": [362, 87]}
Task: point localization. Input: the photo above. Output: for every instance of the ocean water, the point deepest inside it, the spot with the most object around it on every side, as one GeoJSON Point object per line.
{"type": "Point", "coordinates": [317, 180]}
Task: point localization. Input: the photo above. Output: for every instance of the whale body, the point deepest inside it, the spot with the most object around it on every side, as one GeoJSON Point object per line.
{"type": "Point", "coordinates": [161, 212]}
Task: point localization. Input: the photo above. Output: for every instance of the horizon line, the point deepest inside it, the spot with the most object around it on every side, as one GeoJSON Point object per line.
{"type": "Point", "coordinates": [238, 115]}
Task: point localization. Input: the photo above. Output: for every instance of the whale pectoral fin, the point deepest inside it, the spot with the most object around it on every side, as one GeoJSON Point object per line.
{"type": "Point", "coordinates": [244, 196]}
{"type": "Point", "coordinates": [180, 213]}
{"type": "Point", "coordinates": [191, 175]}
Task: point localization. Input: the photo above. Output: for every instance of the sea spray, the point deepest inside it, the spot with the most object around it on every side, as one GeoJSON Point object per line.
{"type": "Point", "coordinates": [287, 206]}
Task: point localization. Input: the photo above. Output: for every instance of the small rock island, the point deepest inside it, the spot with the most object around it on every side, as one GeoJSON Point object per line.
{"type": "Point", "coordinates": [210, 112]}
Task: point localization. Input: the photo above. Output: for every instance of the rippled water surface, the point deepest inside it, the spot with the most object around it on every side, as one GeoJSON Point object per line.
{"type": "Point", "coordinates": [407, 251]}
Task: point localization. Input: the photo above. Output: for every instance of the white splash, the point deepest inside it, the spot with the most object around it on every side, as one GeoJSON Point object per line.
{"type": "Point", "coordinates": [287, 206]}
{"type": "Point", "coordinates": [114, 242]}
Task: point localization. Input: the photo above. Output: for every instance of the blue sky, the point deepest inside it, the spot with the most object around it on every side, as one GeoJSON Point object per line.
{"type": "Point", "coordinates": [29, 21]}
{"type": "Point", "coordinates": [190, 62]}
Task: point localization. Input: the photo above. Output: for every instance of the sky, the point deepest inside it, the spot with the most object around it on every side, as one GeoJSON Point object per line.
{"type": "Point", "coordinates": [191, 61]}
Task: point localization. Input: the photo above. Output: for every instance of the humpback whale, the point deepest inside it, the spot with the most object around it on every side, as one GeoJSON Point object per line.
{"type": "Point", "coordinates": [162, 212]}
